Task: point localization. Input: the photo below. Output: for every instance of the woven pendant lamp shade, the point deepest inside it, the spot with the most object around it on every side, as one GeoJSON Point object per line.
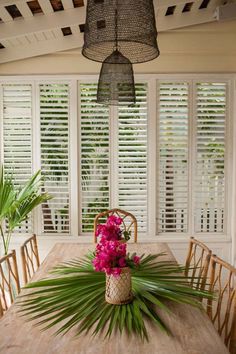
{"type": "Point", "coordinates": [128, 23]}
{"type": "Point", "coordinates": [116, 81]}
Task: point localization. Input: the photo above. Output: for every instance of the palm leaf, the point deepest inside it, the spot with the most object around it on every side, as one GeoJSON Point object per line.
{"type": "Point", "coordinates": [74, 295]}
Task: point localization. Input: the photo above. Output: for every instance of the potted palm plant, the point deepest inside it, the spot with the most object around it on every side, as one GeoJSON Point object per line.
{"type": "Point", "coordinates": [16, 202]}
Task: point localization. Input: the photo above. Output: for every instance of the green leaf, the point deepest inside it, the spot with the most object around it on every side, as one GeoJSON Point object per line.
{"type": "Point", "coordinates": [74, 295]}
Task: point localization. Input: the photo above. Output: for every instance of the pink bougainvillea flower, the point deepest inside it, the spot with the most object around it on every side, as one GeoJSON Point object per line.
{"type": "Point", "coordinates": [136, 260]}
{"type": "Point", "coordinates": [122, 262]}
{"type": "Point", "coordinates": [110, 256]}
{"type": "Point", "coordinates": [113, 219]}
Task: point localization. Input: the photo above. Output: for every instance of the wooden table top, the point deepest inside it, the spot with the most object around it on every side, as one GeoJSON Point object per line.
{"type": "Point", "coordinates": [193, 333]}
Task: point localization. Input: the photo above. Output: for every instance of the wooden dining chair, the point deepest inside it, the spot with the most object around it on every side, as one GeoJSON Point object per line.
{"type": "Point", "coordinates": [9, 281]}
{"type": "Point", "coordinates": [197, 263]}
{"type": "Point", "coordinates": [30, 258]}
{"type": "Point", "coordinates": [222, 310]}
{"type": "Point", "coordinates": [129, 222]}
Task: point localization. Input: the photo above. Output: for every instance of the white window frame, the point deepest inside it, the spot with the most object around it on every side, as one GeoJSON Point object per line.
{"type": "Point", "coordinates": [152, 80]}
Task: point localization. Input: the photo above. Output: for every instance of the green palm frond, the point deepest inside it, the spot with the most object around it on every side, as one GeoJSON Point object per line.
{"type": "Point", "coordinates": [17, 202]}
{"type": "Point", "coordinates": [7, 194]}
{"type": "Point", "coordinates": [75, 296]}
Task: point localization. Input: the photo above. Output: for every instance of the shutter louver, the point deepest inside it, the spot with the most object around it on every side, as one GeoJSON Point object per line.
{"type": "Point", "coordinates": [132, 157]}
{"type": "Point", "coordinates": [94, 156]}
{"type": "Point", "coordinates": [54, 129]}
{"type": "Point", "coordinates": [173, 158]}
{"type": "Point", "coordinates": [17, 141]}
{"type": "Point", "coordinates": [209, 187]}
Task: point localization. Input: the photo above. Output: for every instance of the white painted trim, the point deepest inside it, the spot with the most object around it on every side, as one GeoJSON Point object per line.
{"type": "Point", "coordinates": [138, 77]}
{"type": "Point", "coordinates": [35, 139]}
{"type": "Point", "coordinates": [141, 238]}
{"type": "Point", "coordinates": [79, 180]}
{"type": "Point", "coordinates": [191, 153]}
{"type": "Point", "coordinates": [152, 124]}
{"type": "Point", "coordinates": [37, 148]}
{"type": "Point", "coordinates": [73, 159]}
{"type": "Point", "coordinates": [1, 126]}
{"type": "Point", "coordinates": [233, 170]}
{"type": "Point", "coordinates": [113, 153]}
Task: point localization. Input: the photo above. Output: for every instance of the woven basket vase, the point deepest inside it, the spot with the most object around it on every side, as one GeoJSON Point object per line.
{"type": "Point", "coordinates": [119, 288]}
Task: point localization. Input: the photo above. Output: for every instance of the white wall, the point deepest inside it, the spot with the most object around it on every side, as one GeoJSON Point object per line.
{"type": "Point", "coordinates": [205, 48]}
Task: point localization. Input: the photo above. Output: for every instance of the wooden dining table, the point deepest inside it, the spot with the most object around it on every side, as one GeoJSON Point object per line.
{"type": "Point", "coordinates": [191, 330]}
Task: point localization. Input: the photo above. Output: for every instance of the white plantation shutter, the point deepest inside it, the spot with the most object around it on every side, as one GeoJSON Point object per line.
{"type": "Point", "coordinates": [94, 156]}
{"type": "Point", "coordinates": [209, 181]}
{"type": "Point", "coordinates": [115, 153]}
{"type": "Point", "coordinates": [132, 157]}
{"type": "Point", "coordinates": [172, 172]}
{"type": "Point", "coordinates": [54, 132]}
{"type": "Point", "coordinates": [17, 136]}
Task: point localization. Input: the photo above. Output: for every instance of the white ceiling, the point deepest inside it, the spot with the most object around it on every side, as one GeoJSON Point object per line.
{"type": "Point", "coordinates": [33, 34]}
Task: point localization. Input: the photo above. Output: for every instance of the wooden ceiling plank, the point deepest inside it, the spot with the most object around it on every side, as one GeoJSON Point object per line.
{"type": "Point", "coordinates": [45, 47]}
{"type": "Point", "coordinates": [42, 23]}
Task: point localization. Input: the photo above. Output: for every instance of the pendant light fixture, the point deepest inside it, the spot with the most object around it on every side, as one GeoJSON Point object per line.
{"type": "Point", "coordinates": [136, 36]}
{"type": "Point", "coordinates": [116, 81]}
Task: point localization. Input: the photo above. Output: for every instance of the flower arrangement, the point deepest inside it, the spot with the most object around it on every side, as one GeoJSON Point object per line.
{"type": "Point", "coordinates": [73, 295]}
{"type": "Point", "coordinates": [111, 251]}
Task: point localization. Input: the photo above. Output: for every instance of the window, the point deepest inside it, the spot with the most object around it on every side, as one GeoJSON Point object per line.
{"type": "Point", "coordinates": [163, 159]}
{"type": "Point", "coordinates": [54, 156]}
{"type": "Point", "coordinates": [191, 125]}
{"type": "Point", "coordinates": [17, 135]}
{"type": "Point", "coordinates": [33, 141]}
{"type": "Point", "coordinates": [113, 157]}
{"type": "Point", "coordinates": [173, 159]}
{"type": "Point", "coordinates": [209, 171]}
{"type": "Point", "coordinates": [94, 157]}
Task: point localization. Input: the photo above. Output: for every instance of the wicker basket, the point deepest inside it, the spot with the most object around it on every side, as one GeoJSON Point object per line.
{"type": "Point", "coordinates": [119, 288]}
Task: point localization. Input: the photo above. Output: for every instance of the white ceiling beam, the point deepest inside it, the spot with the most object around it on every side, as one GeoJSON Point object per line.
{"type": "Point", "coordinates": [4, 15]}
{"type": "Point", "coordinates": [167, 24]}
{"type": "Point", "coordinates": [46, 6]}
{"type": "Point", "coordinates": [44, 47]}
{"type": "Point", "coordinates": [180, 20]}
{"type": "Point", "coordinates": [167, 3]}
{"type": "Point", "coordinates": [67, 4]}
{"type": "Point", "coordinates": [11, 2]}
{"type": "Point", "coordinates": [42, 23]}
{"type": "Point", "coordinates": [24, 9]}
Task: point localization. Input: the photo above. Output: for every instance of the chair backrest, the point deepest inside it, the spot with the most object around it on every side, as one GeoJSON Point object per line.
{"type": "Point", "coordinates": [222, 311]}
{"type": "Point", "coordinates": [197, 263]}
{"type": "Point", "coordinates": [30, 258]}
{"type": "Point", "coordinates": [129, 221]}
{"type": "Point", "coordinates": [9, 281]}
